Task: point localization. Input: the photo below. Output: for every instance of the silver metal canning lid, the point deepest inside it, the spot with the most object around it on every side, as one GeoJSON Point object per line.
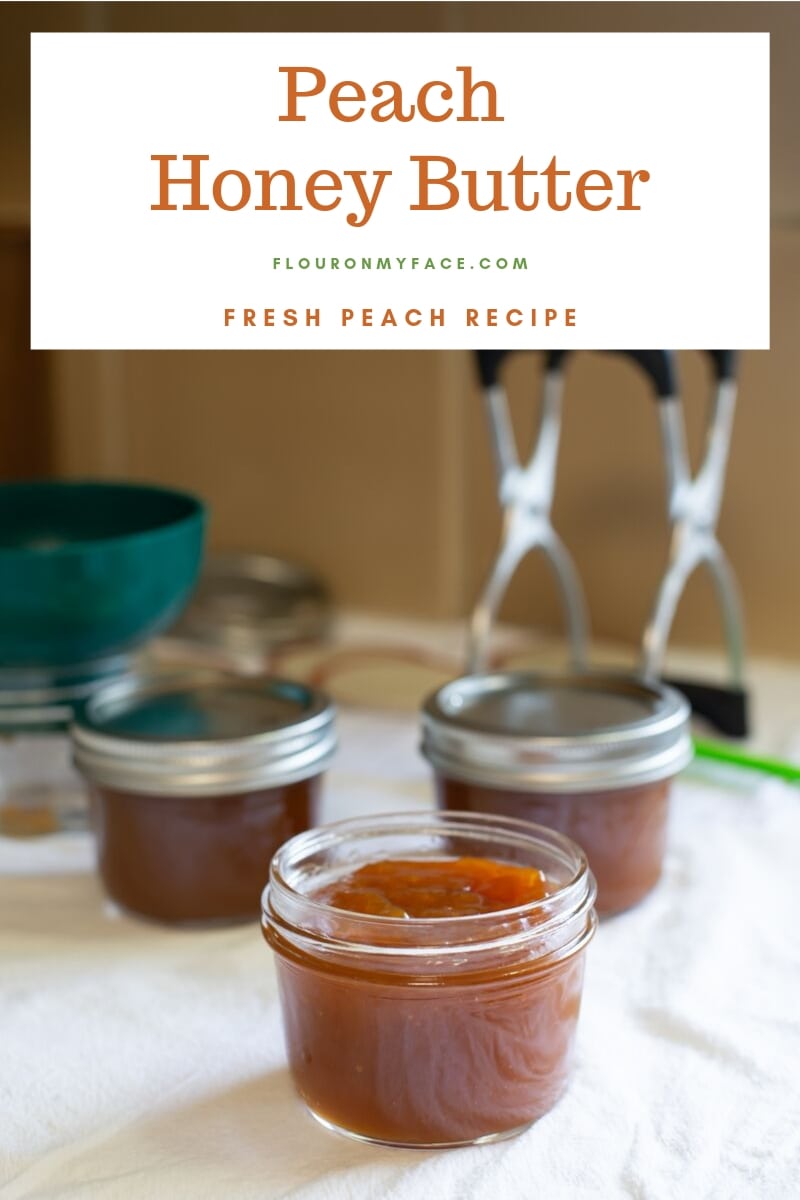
{"type": "Point", "coordinates": [250, 603]}
{"type": "Point", "coordinates": [556, 733]}
{"type": "Point", "coordinates": [203, 732]}
{"type": "Point", "coordinates": [45, 699]}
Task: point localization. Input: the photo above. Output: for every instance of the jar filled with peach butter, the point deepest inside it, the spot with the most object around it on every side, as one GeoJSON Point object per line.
{"type": "Point", "coordinates": [590, 755]}
{"type": "Point", "coordinates": [196, 778]}
{"type": "Point", "coordinates": [430, 969]}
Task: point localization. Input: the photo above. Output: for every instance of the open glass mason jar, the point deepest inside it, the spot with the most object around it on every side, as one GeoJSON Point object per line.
{"type": "Point", "coordinates": [40, 790]}
{"type": "Point", "coordinates": [196, 779]}
{"type": "Point", "coordinates": [434, 1031]}
{"type": "Point", "coordinates": [591, 755]}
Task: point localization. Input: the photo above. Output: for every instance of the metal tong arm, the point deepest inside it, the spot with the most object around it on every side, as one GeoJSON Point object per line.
{"type": "Point", "coordinates": [701, 494]}
{"type": "Point", "coordinates": [694, 504]}
{"type": "Point", "coordinates": [687, 552]}
{"type": "Point", "coordinates": [697, 498]}
{"type": "Point", "coordinates": [526, 494]}
{"type": "Point", "coordinates": [532, 484]}
{"type": "Point", "coordinates": [701, 497]}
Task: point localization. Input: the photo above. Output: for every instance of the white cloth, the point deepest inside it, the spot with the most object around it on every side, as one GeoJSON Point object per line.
{"type": "Point", "coordinates": [141, 1063]}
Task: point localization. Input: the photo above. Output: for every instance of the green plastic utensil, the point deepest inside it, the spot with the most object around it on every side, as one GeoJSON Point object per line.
{"type": "Point", "coordinates": [91, 569]}
{"type": "Point", "coordinates": [720, 752]}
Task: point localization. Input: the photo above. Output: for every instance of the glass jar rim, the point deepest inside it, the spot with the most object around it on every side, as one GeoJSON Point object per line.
{"type": "Point", "coordinates": [288, 910]}
{"type": "Point", "coordinates": [46, 699]}
{"type": "Point", "coordinates": [260, 754]}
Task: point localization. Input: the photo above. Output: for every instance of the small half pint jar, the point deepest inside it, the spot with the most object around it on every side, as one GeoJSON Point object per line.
{"type": "Point", "coordinates": [429, 1032]}
{"type": "Point", "coordinates": [591, 755]}
{"type": "Point", "coordinates": [40, 790]}
{"type": "Point", "coordinates": [196, 779]}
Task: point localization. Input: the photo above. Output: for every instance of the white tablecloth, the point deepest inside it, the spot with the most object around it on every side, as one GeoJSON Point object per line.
{"type": "Point", "coordinates": [138, 1063]}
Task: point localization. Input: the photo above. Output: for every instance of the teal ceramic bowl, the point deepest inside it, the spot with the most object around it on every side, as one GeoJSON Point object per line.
{"type": "Point", "coordinates": [91, 569]}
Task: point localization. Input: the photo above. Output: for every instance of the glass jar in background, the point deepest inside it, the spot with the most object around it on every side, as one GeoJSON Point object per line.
{"type": "Point", "coordinates": [196, 778]}
{"type": "Point", "coordinates": [591, 755]}
{"type": "Point", "coordinates": [40, 790]}
{"type": "Point", "coordinates": [245, 610]}
{"type": "Point", "coordinates": [431, 1032]}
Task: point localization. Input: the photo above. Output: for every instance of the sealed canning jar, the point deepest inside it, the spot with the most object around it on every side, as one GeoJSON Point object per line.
{"type": "Point", "coordinates": [196, 779]}
{"type": "Point", "coordinates": [590, 755]}
{"type": "Point", "coordinates": [40, 790]}
{"type": "Point", "coordinates": [429, 1030]}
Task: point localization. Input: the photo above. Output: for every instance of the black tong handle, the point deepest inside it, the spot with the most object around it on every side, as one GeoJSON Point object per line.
{"type": "Point", "coordinates": [489, 362]}
{"type": "Point", "coordinates": [726, 708]}
{"type": "Point", "coordinates": [658, 365]}
{"type": "Point", "coordinates": [724, 363]}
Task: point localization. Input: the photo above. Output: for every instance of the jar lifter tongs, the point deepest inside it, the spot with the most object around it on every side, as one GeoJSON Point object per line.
{"type": "Point", "coordinates": [526, 497]}
{"type": "Point", "coordinates": [693, 509]}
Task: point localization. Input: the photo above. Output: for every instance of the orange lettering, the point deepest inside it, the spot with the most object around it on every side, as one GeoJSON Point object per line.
{"type": "Point", "coordinates": [293, 93]}
{"type": "Point", "coordinates": [164, 181]}
{"type": "Point", "coordinates": [425, 183]}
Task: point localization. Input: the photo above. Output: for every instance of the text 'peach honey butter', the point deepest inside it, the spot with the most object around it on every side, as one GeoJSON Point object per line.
{"type": "Point", "coordinates": [430, 969]}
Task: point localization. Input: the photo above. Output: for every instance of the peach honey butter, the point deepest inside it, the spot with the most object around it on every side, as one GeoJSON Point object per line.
{"type": "Point", "coordinates": [430, 969]}
{"type": "Point", "coordinates": [591, 755]}
{"type": "Point", "coordinates": [196, 778]}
